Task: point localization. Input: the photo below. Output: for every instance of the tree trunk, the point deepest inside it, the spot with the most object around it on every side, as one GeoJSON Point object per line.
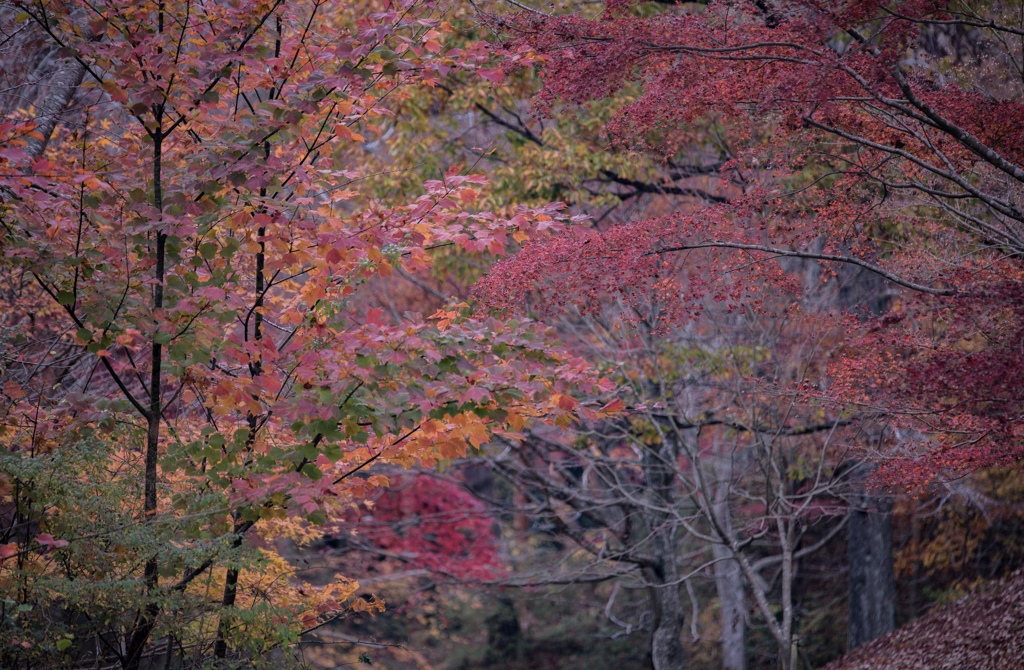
{"type": "Point", "coordinates": [663, 579]}
{"type": "Point", "coordinates": [61, 90]}
{"type": "Point", "coordinates": [669, 617]}
{"type": "Point", "coordinates": [728, 577]}
{"type": "Point", "coordinates": [872, 610]}
{"type": "Point", "coordinates": [733, 611]}
{"type": "Point", "coordinates": [872, 584]}
{"type": "Point", "coordinates": [146, 620]}
{"type": "Point", "coordinates": [504, 641]}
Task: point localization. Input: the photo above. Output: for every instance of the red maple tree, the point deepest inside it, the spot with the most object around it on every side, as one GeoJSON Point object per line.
{"type": "Point", "coordinates": [181, 251]}
{"type": "Point", "coordinates": [871, 134]}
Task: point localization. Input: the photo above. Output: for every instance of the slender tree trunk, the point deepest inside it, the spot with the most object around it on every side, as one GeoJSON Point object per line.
{"type": "Point", "coordinates": [732, 602]}
{"type": "Point", "coordinates": [729, 577]}
{"type": "Point", "coordinates": [146, 619]}
{"type": "Point", "coordinates": [872, 583]}
{"type": "Point", "coordinates": [663, 580]}
{"type": "Point", "coordinates": [786, 644]}
{"type": "Point", "coordinates": [220, 647]}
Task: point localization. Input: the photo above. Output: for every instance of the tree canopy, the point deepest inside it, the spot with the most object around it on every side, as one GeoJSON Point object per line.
{"type": "Point", "coordinates": [685, 308]}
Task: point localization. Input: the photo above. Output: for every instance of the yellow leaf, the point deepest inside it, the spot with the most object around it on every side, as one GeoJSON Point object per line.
{"type": "Point", "coordinates": [516, 421]}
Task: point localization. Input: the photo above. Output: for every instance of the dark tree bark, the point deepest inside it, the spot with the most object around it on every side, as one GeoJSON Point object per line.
{"type": "Point", "coordinates": [504, 641]}
{"type": "Point", "coordinates": [872, 584]}
{"type": "Point", "coordinates": [872, 610]}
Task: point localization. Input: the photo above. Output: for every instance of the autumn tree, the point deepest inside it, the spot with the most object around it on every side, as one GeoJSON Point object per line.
{"type": "Point", "coordinates": [906, 182]}
{"type": "Point", "coordinates": [874, 139]}
{"type": "Point", "coordinates": [719, 471]}
{"type": "Point", "coordinates": [857, 164]}
{"type": "Point", "coordinates": [184, 238]}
